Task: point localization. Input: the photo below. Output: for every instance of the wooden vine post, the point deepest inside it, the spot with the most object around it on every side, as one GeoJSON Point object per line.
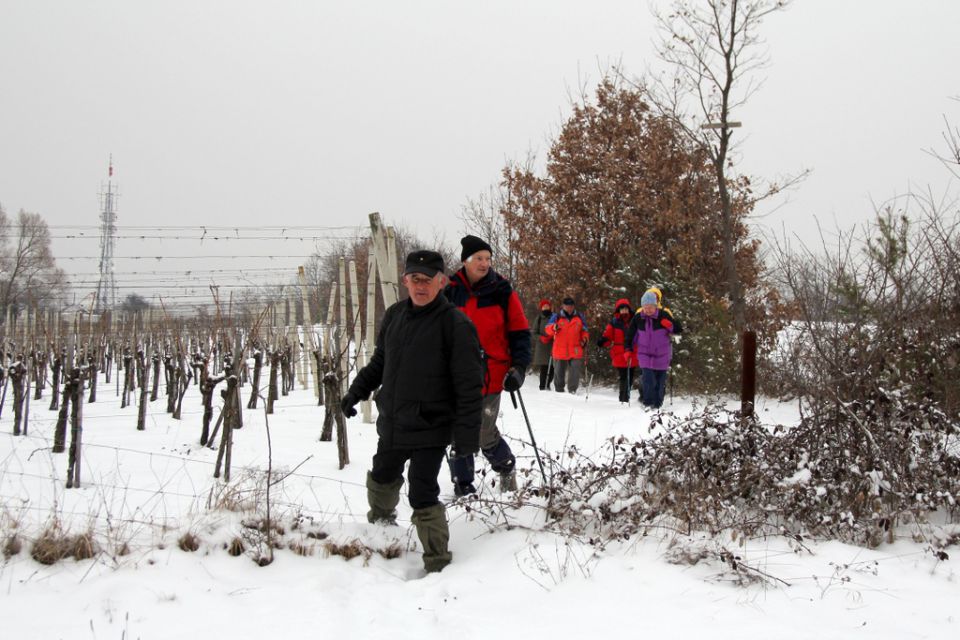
{"type": "Point", "coordinates": [308, 332]}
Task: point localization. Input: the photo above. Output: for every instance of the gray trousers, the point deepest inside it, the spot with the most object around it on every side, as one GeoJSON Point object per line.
{"type": "Point", "coordinates": [561, 377]}
{"type": "Point", "coordinates": [489, 434]}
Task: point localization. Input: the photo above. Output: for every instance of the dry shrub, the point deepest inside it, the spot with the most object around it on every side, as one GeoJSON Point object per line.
{"type": "Point", "coordinates": [317, 535]}
{"type": "Point", "coordinates": [236, 547]}
{"type": "Point", "coordinates": [188, 542]}
{"type": "Point", "coordinates": [12, 546]}
{"type": "Point", "coordinates": [239, 496]}
{"type": "Point", "coordinates": [123, 550]}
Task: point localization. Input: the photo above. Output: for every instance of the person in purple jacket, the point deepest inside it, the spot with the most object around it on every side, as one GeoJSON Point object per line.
{"type": "Point", "coordinates": [649, 337]}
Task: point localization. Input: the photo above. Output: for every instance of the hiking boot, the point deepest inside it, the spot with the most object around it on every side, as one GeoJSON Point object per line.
{"type": "Point", "coordinates": [434, 534]}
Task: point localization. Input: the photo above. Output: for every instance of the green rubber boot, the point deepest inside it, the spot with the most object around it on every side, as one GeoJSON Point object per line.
{"type": "Point", "coordinates": [434, 535]}
{"type": "Point", "coordinates": [383, 500]}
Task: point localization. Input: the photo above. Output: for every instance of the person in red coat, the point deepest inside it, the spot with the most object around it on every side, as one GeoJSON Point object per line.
{"type": "Point", "coordinates": [622, 359]}
{"type": "Point", "coordinates": [488, 299]}
{"type": "Point", "coordinates": [570, 334]}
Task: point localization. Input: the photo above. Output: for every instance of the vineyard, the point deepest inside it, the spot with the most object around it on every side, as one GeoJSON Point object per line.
{"type": "Point", "coordinates": [81, 392]}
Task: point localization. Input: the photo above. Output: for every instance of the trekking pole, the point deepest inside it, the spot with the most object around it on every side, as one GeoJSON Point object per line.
{"type": "Point", "coordinates": [671, 387]}
{"type": "Point", "coordinates": [533, 440]}
{"type": "Point", "coordinates": [629, 383]}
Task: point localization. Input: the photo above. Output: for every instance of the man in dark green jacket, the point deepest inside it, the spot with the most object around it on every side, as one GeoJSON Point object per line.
{"type": "Point", "coordinates": [428, 369]}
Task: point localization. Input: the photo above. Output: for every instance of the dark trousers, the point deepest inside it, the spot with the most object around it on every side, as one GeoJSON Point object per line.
{"type": "Point", "coordinates": [628, 380]}
{"type": "Point", "coordinates": [654, 386]}
{"type": "Point", "coordinates": [546, 375]}
{"type": "Point", "coordinates": [423, 488]}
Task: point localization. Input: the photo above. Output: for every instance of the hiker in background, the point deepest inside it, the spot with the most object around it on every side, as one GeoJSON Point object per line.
{"type": "Point", "coordinates": [622, 358]}
{"type": "Point", "coordinates": [428, 369]}
{"type": "Point", "coordinates": [542, 362]}
{"type": "Point", "coordinates": [649, 338]}
{"type": "Point", "coordinates": [488, 299]}
{"type": "Point", "coordinates": [569, 331]}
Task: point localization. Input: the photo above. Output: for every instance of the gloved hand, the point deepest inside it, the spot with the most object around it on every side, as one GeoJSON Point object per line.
{"type": "Point", "coordinates": [628, 354]}
{"type": "Point", "coordinates": [666, 323]}
{"type": "Point", "coordinates": [603, 342]}
{"type": "Point", "coordinates": [513, 380]}
{"type": "Point", "coordinates": [348, 403]}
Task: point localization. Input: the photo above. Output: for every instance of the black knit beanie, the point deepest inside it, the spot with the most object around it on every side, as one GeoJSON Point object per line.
{"type": "Point", "coordinates": [472, 244]}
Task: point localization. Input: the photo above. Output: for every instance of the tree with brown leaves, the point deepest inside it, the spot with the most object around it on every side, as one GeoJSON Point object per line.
{"type": "Point", "coordinates": [625, 196]}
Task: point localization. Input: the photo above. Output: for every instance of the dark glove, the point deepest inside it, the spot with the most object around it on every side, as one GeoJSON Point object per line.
{"type": "Point", "coordinates": [513, 380]}
{"type": "Point", "coordinates": [666, 323]}
{"type": "Point", "coordinates": [348, 403]}
{"type": "Point", "coordinates": [603, 342]}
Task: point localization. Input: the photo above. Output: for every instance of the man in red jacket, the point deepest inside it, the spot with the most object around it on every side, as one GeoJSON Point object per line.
{"type": "Point", "coordinates": [570, 333]}
{"type": "Point", "coordinates": [488, 299]}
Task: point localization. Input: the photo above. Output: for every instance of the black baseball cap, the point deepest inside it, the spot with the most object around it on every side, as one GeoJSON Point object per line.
{"type": "Point", "coordinates": [427, 262]}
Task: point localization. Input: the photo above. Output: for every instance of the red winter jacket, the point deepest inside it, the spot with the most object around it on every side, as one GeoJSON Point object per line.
{"type": "Point", "coordinates": [497, 313]}
{"type": "Point", "coordinates": [614, 336]}
{"type": "Point", "coordinates": [569, 335]}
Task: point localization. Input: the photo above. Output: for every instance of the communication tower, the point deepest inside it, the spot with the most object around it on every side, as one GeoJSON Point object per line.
{"type": "Point", "coordinates": [107, 286]}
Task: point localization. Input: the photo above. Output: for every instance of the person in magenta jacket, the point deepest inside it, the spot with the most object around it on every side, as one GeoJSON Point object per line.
{"type": "Point", "coordinates": [614, 339]}
{"type": "Point", "coordinates": [649, 336]}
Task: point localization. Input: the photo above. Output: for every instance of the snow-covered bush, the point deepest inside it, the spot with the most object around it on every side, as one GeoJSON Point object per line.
{"type": "Point", "coordinates": [717, 473]}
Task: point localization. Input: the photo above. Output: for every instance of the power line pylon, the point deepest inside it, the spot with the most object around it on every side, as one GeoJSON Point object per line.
{"type": "Point", "coordinates": [107, 286]}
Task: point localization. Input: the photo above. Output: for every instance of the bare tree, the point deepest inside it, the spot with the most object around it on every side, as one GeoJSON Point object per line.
{"type": "Point", "coordinates": [715, 50]}
{"type": "Point", "coordinates": [134, 302]}
{"type": "Point", "coordinates": [950, 156]}
{"type": "Point", "coordinates": [28, 270]}
{"type": "Point", "coordinates": [483, 216]}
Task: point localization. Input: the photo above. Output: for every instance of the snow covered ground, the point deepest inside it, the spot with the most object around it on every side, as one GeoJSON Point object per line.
{"type": "Point", "coordinates": [141, 491]}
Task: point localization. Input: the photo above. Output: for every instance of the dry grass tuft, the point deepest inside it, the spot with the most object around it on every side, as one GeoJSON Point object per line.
{"type": "Point", "coordinates": [12, 546]}
{"type": "Point", "coordinates": [188, 542]}
{"type": "Point", "coordinates": [51, 547]}
{"type": "Point", "coordinates": [236, 547]}
{"type": "Point", "coordinates": [83, 546]}
{"type": "Point", "coordinates": [348, 550]}
{"type": "Point", "coordinates": [392, 551]}
{"type": "Point", "coordinates": [301, 549]}
{"type": "Point", "coordinates": [261, 525]}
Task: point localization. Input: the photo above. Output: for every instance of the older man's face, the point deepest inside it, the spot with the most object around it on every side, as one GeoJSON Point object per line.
{"type": "Point", "coordinates": [477, 265]}
{"type": "Point", "coordinates": [422, 288]}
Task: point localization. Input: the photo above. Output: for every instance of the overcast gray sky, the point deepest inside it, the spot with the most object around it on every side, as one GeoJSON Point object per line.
{"type": "Point", "coordinates": [316, 113]}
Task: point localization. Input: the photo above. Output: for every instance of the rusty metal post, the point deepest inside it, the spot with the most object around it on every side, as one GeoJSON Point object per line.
{"type": "Point", "coordinates": [748, 377]}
